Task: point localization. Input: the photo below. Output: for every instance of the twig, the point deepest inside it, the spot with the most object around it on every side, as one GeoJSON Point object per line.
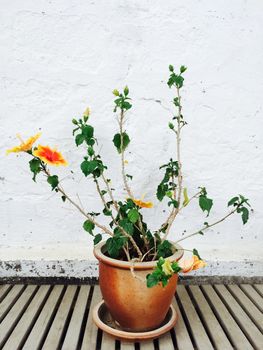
{"type": "Point", "coordinates": [208, 226]}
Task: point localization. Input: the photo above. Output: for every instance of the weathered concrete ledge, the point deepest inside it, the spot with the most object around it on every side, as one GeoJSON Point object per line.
{"type": "Point", "coordinates": [86, 272]}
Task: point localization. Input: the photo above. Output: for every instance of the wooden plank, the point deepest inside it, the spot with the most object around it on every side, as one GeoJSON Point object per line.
{"type": "Point", "coordinates": [54, 335]}
{"type": "Point", "coordinates": [248, 306]}
{"type": "Point", "coordinates": [199, 334]}
{"type": "Point", "coordinates": [147, 345]}
{"type": "Point", "coordinates": [36, 335]}
{"type": "Point", "coordinates": [71, 340]}
{"type": "Point", "coordinates": [183, 339]}
{"type": "Point", "coordinates": [244, 322]}
{"type": "Point", "coordinates": [259, 288]}
{"type": "Point", "coordinates": [253, 295]}
{"type": "Point", "coordinates": [4, 289]}
{"type": "Point", "coordinates": [15, 313]}
{"type": "Point", "coordinates": [107, 342]}
{"type": "Point", "coordinates": [229, 325]}
{"type": "Point", "coordinates": [165, 342]}
{"type": "Point", "coordinates": [27, 320]}
{"type": "Point", "coordinates": [91, 330]}
{"type": "Point", "coordinates": [217, 334]}
{"type": "Point", "coordinates": [127, 346]}
{"type": "Point", "coordinates": [9, 300]}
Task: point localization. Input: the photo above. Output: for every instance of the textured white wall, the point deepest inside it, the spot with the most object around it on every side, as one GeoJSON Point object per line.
{"type": "Point", "coordinates": [57, 57]}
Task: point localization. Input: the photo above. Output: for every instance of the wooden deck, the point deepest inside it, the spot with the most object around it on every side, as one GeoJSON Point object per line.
{"type": "Point", "coordinates": [59, 317]}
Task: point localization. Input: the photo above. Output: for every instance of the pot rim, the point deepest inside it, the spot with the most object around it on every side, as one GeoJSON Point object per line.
{"type": "Point", "coordinates": [98, 252]}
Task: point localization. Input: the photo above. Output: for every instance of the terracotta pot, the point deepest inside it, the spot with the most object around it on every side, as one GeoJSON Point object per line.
{"type": "Point", "coordinates": [134, 306]}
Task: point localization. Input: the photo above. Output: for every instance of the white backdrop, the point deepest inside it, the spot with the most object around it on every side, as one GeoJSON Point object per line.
{"type": "Point", "coordinates": [59, 57]}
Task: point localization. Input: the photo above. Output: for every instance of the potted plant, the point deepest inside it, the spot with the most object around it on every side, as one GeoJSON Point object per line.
{"type": "Point", "coordinates": [138, 267]}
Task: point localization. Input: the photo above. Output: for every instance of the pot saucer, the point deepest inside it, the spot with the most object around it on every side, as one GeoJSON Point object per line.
{"type": "Point", "coordinates": [105, 322]}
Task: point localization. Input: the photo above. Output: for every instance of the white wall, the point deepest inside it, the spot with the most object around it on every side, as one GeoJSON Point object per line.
{"type": "Point", "coordinates": [58, 57]}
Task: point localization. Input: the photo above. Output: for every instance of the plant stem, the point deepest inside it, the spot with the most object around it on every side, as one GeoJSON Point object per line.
{"type": "Point", "coordinates": [89, 217]}
{"type": "Point", "coordinates": [115, 222]}
{"type": "Point", "coordinates": [175, 211]}
{"type": "Point", "coordinates": [128, 190]}
{"type": "Point", "coordinates": [110, 192]}
{"type": "Point", "coordinates": [208, 226]}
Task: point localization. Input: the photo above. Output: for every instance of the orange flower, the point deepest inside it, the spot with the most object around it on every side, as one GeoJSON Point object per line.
{"type": "Point", "coordinates": [25, 145]}
{"type": "Point", "coordinates": [192, 264]}
{"type": "Point", "coordinates": [142, 204]}
{"type": "Point", "coordinates": [49, 156]}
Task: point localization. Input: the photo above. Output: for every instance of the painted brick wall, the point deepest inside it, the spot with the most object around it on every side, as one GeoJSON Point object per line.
{"type": "Point", "coordinates": [58, 57]}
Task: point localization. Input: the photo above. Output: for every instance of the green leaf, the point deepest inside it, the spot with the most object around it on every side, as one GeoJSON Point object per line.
{"type": "Point", "coordinates": [88, 167]}
{"type": "Point", "coordinates": [195, 252]}
{"type": "Point", "coordinates": [64, 198]}
{"type": "Point", "coordinates": [245, 215]}
{"type": "Point", "coordinates": [171, 126]}
{"type": "Point", "coordinates": [171, 68]}
{"type": "Point", "coordinates": [88, 131]}
{"type": "Point", "coordinates": [35, 167]}
{"type": "Point", "coordinates": [133, 215]}
{"type": "Point", "coordinates": [97, 239]}
{"type": "Point", "coordinates": [205, 203]}
{"type": "Point", "coordinates": [90, 151]}
{"type": "Point", "coordinates": [114, 245]}
{"type": "Point", "coordinates": [53, 181]}
{"type": "Point", "coordinates": [129, 176]}
{"type": "Point", "coordinates": [88, 226]}
{"type": "Point", "coordinates": [164, 249]}
{"type": "Point", "coordinates": [127, 226]}
{"type": "Point", "coordinates": [152, 280]}
{"type": "Point", "coordinates": [117, 141]}
{"type": "Point", "coordinates": [201, 233]}
{"type": "Point", "coordinates": [186, 199]}
{"type": "Point", "coordinates": [232, 201]}
{"type": "Point", "coordinates": [175, 266]}
{"type": "Point", "coordinates": [107, 212]}
{"type": "Point", "coordinates": [79, 139]}
{"type": "Point", "coordinates": [173, 202]}
{"type": "Point", "coordinates": [182, 69]}
{"type": "Point", "coordinates": [161, 191]}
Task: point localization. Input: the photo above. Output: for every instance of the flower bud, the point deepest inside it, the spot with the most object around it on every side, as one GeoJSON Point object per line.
{"type": "Point", "coordinates": [115, 92]}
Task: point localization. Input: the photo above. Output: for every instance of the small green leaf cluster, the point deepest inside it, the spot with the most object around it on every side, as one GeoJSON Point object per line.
{"type": "Point", "coordinates": [176, 80]}
{"type": "Point", "coordinates": [240, 203]}
{"type": "Point", "coordinates": [168, 185]}
{"type": "Point", "coordinates": [122, 101]}
{"type": "Point", "coordinates": [158, 275]}
{"type": "Point", "coordinates": [85, 132]}
{"type": "Point", "coordinates": [205, 203]}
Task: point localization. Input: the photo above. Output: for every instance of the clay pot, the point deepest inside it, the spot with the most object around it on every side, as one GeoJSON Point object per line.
{"type": "Point", "coordinates": [134, 306]}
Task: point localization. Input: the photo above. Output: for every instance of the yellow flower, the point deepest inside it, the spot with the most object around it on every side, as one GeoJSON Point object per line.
{"type": "Point", "coordinates": [49, 155]}
{"type": "Point", "coordinates": [142, 204]}
{"type": "Point", "coordinates": [192, 264]}
{"type": "Point", "coordinates": [167, 268]}
{"type": "Point", "coordinates": [25, 145]}
{"type": "Point", "coordinates": [126, 162]}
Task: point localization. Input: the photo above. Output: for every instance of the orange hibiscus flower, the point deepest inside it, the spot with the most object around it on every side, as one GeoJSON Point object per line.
{"type": "Point", "coordinates": [192, 264]}
{"type": "Point", "coordinates": [49, 155]}
{"type": "Point", "coordinates": [142, 204]}
{"type": "Point", "coordinates": [24, 145]}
